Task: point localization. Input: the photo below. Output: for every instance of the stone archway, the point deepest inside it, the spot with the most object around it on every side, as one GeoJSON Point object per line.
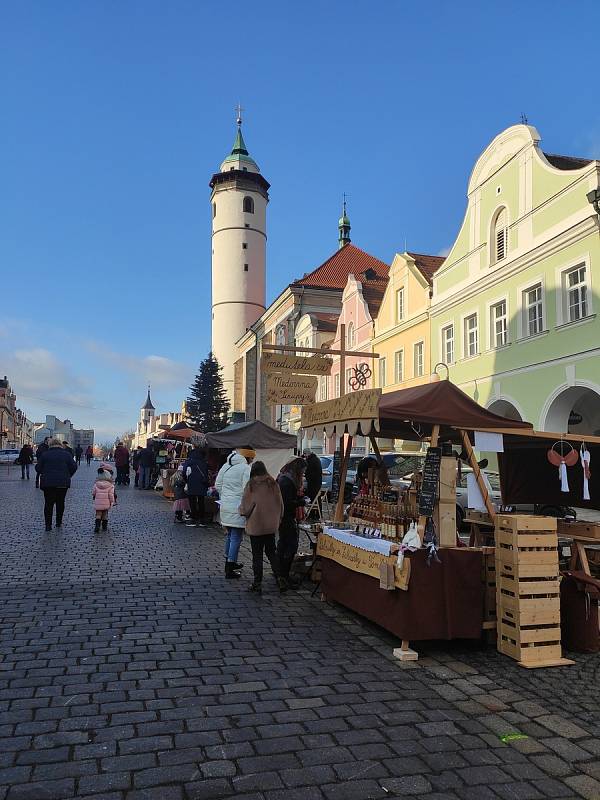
{"type": "Point", "coordinates": [576, 409]}
{"type": "Point", "coordinates": [505, 409]}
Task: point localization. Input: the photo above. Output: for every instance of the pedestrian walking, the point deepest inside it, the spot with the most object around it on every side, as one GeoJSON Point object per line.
{"type": "Point", "coordinates": [181, 506]}
{"type": "Point", "coordinates": [135, 463]}
{"type": "Point", "coordinates": [38, 454]}
{"type": "Point", "coordinates": [55, 467]}
{"type": "Point", "coordinates": [195, 471]}
{"type": "Point", "coordinates": [78, 454]}
{"type": "Point", "coordinates": [262, 507]}
{"type": "Point", "coordinates": [68, 448]}
{"type": "Point", "coordinates": [290, 483]}
{"type": "Point", "coordinates": [89, 454]}
{"type": "Point", "coordinates": [146, 465]}
{"type": "Point", "coordinates": [230, 484]}
{"type": "Point", "coordinates": [122, 464]}
{"type": "Point", "coordinates": [104, 496]}
{"type": "Point", "coordinates": [25, 460]}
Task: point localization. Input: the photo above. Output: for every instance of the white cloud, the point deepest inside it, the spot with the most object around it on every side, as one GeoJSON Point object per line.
{"type": "Point", "coordinates": [157, 370]}
{"type": "Point", "coordinates": [38, 374]}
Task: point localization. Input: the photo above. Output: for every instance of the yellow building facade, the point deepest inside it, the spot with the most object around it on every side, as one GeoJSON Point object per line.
{"type": "Point", "coordinates": [402, 327]}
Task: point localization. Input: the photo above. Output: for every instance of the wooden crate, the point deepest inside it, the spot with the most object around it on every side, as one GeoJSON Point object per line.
{"type": "Point", "coordinates": [488, 578]}
{"type": "Point", "coordinates": [528, 590]}
{"type": "Point", "coordinates": [583, 530]}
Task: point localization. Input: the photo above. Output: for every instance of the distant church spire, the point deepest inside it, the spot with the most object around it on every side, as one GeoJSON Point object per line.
{"type": "Point", "coordinates": [343, 226]}
{"type": "Point", "coordinates": [148, 404]}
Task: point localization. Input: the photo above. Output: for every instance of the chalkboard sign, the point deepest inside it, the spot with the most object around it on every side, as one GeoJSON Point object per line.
{"type": "Point", "coordinates": [335, 475]}
{"type": "Point", "coordinates": [431, 481]}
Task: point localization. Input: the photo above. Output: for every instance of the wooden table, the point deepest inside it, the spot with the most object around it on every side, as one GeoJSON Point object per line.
{"type": "Point", "coordinates": [583, 535]}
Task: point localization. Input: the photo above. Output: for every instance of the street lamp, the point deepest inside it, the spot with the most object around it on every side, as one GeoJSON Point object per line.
{"type": "Point", "coordinates": [593, 197]}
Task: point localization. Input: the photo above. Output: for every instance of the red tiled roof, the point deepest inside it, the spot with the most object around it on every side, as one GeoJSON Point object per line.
{"type": "Point", "coordinates": [567, 162]}
{"type": "Point", "coordinates": [325, 322]}
{"type": "Point", "coordinates": [348, 260]}
{"type": "Point", "coordinates": [427, 265]}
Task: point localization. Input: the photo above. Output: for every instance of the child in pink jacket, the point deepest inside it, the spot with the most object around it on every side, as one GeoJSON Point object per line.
{"type": "Point", "coordinates": [104, 496]}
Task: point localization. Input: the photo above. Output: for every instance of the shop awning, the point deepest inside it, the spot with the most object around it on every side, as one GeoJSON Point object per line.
{"type": "Point", "coordinates": [254, 434]}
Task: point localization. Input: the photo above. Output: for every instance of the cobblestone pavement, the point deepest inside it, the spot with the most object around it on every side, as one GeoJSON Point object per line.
{"type": "Point", "coordinates": [131, 670]}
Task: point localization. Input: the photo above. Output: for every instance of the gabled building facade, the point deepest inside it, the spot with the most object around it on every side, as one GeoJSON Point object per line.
{"type": "Point", "coordinates": [515, 312]}
{"type": "Point", "coordinates": [402, 326]}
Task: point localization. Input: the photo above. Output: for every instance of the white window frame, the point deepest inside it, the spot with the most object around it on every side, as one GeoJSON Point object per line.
{"type": "Point", "coordinates": [400, 306]}
{"type": "Point", "coordinates": [449, 326]}
{"type": "Point", "coordinates": [421, 344]}
{"type": "Point", "coordinates": [493, 344]}
{"type": "Point", "coordinates": [525, 327]}
{"type": "Point", "coordinates": [349, 375]}
{"type": "Point", "coordinates": [336, 384]}
{"type": "Point", "coordinates": [350, 335]}
{"type": "Point", "coordinates": [493, 260]}
{"type": "Point", "coordinates": [562, 305]}
{"type": "Point", "coordinates": [465, 344]}
{"type": "Point", "coordinates": [323, 388]}
{"type": "Point", "coordinates": [382, 372]}
{"type": "Point", "coordinates": [399, 374]}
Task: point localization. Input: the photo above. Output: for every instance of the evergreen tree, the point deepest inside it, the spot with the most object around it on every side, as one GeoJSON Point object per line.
{"type": "Point", "coordinates": [207, 405]}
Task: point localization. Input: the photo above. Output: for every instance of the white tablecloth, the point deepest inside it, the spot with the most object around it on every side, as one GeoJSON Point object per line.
{"type": "Point", "coordinates": [382, 546]}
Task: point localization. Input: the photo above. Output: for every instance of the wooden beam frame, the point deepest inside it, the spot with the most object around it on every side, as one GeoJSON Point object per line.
{"type": "Point", "coordinates": [478, 476]}
{"type": "Point", "coordinates": [319, 351]}
{"type": "Point", "coordinates": [531, 434]}
{"type": "Point", "coordinates": [339, 508]}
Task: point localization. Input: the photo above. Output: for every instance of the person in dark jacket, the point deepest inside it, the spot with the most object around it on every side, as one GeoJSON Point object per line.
{"type": "Point", "coordinates": [68, 448]}
{"type": "Point", "coordinates": [78, 454]}
{"type": "Point", "coordinates": [89, 454]}
{"type": "Point", "coordinates": [55, 467]}
{"type": "Point", "coordinates": [195, 470]}
{"type": "Point", "coordinates": [147, 462]}
{"type": "Point", "coordinates": [314, 474]}
{"type": "Point", "coordinates": [122, 463]}
{"type": "Point", "coordinates": [290, 483]}
{"type": "Point", "coordinates": [135, 463]}
{"type": "Point", "coordinates": [38, 454]}
{"type": "Point", "coordinates": [25, 460]}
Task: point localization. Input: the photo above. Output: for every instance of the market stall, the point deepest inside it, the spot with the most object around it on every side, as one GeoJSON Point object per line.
{"type": "Point", "coordinates": [273, 447]}
{"type": "Point", "coordinates": [445, 595]}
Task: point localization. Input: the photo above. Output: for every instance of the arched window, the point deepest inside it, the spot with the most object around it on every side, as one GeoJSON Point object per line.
{"type": "Point", "coordinates": [248, 205]}
{"type": "Point", "coordinates": [214, 210]}
{"type": "Point", "coordinates": [499, 236]}
{"type": "Point", "coordinates": [350, 335]}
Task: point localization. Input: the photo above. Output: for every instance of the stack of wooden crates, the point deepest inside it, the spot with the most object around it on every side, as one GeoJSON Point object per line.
{"type": "Point", "coordinates": [528, 590]}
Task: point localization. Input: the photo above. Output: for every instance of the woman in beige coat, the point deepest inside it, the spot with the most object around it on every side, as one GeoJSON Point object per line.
{"type": "Point", "coordinates": [262, 507]}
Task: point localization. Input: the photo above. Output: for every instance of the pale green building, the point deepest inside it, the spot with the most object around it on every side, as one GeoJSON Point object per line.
{"type": "Point", "coordinates": [515, 312]}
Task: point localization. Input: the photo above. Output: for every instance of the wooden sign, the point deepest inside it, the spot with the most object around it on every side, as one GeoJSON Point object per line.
{"type": "Point", "coordinates": [431, 481]}
{"type": "Point", "coordinates": [359, 560]}
{"type": "Point", "coordinates": [313, 365]}
{"type": "Point", "coordinates": [357, 405]}
{"type": "Point", "coordinates": [289, 389]}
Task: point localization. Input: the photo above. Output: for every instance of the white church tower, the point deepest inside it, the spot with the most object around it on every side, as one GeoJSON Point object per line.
{"type": "Point", "coordinates": [239, 236]}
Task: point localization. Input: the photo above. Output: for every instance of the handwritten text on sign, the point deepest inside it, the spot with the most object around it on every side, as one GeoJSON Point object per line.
{"type": "Point", "coordinates": [358, 560]}
{"type": "Point", "coordinates": [291, 389]}
{"type": "Point", "coordinates": [313, 365]}
{"type": "Point", "coordinates": [358, 405]}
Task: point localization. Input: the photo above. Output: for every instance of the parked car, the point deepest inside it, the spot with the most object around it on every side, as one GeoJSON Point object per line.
{"type": "Point", "coordinates": [9, 455]}
{"type": "Point", "coordinates": [494, 479]}
{"type": "Point", "coordinates": [327, 467]}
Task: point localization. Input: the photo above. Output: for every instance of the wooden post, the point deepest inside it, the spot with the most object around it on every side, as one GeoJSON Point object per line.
{"type": "Point", "coordinates": [435, 433]}
{"type": "Point", "coordinates": [478, 476]}
{"type": "Point", "coordinates": [339, 508]}
{"type": "Point", "coordinates": [375, 447]}
{"type": "Point", "coordinates": [342, 359]}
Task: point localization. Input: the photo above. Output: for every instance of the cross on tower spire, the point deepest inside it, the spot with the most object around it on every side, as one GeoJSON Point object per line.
{"type": "Point", "coordinates": [238, 111]}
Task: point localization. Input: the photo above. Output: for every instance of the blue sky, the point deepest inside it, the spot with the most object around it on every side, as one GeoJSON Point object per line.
{"type": "Point", "coordinates": [115, 114]}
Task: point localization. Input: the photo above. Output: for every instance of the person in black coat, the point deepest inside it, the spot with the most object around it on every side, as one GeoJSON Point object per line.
{"type": "Point", "coordinates": [25, 460]}
{"type": "Point", "coordinates": [314, 474]}
{"type": "Point", "coordinates": [38, 454]}
{"type": "Point", "coordinates": [195, 470]}
{"type": "Point", "coordinates": [290, 483]}
{"type": "Point", "coordinates": [55, 468]}
{"type": "Point", "coordinates": [147, 462]}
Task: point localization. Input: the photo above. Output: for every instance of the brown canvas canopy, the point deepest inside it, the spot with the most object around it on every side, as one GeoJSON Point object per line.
{"type": "Point", "coordinates": [412, 413]}
{"type": "Point", "coordinates": [253, 434]}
